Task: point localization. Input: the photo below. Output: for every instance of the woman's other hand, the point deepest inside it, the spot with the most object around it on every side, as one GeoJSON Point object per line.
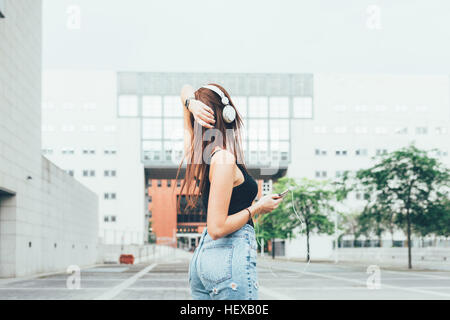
{"type": "Point", "coordinates": [268, 203]}
{"type": "Point", "coordinates": [203, 114]}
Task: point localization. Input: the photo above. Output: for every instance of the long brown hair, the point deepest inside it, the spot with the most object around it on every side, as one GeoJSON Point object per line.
{"type": "Point", "coordinates": [225, 135]}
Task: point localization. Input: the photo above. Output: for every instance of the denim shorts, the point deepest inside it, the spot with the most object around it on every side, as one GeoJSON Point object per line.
{"type": "Point", "coordinates": [225, 268]}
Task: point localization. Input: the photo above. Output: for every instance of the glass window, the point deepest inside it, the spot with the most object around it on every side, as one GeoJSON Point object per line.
{"type": "Point", "coordinates": [258, 129]}
{"type": "Point", "coordinates": [279, 107]}
{"type": "Point", "coordinates": [128, 106]}
{"type": "Point", "coordinates": [279, 129]}
{"type": "Point", "coordinates": [172, 106]}
{"type": "Point", "coordinates": [303, 107]}
{"type": "Point", "coordinates": [173, 129]}
{"type": "Point", "coordinates": [151, 129]}
{"type": "Point", "coordinates": [152, 150]}
{"type": "Point", "coordinates": [257, 107]}
{"type": "Point", "coordinates": [421, 130]}
{"type": "Point", "coordinates": [151, 106]}
{"type": "Point", "coordinates": [241, 105]}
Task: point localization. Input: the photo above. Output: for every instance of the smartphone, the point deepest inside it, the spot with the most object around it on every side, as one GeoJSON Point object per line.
{"type": "Point", "coordinates": [282, 194]}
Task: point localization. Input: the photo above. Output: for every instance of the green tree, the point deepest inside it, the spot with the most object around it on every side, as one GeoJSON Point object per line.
{"type": "Point", "coordinates": [307, 206]}
{"type": "Point", "coordinates": [408, 182]}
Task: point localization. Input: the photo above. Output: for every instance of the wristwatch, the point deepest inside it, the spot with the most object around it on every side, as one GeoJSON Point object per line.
{"type": "Point", "coordinates": [188, 101]}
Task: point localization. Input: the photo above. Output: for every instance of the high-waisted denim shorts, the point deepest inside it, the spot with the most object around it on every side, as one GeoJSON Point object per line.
{"type": "Point", "coordinates": [225, 269]}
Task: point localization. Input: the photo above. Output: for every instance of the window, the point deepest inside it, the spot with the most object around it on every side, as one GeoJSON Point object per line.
{"type": "Point", "coordinates": [70, 172]}
{"type": "Point", "coordinates": [381, 130]}
{"type": "Point", "coordinates": [48, 128]}
{"type": "Point", "coordinates": [340, 130]}
{"type": "Point", "coordinates": [68, 151]}
{"type": "Point", "coordinates": [110, 151]}
{"type": "Point", "coordinates": [149, 198]}
{"type": "Point", "coordinates": [169, 183]}
{"type": "Point", "coordinates": [441, 130]}
{"type": "Point", "coordinates": [380, 152]}
{"type": "Point", "coordinates": [152, 128]}
{"type": "Point", "coordinates": [258, 107]}
{"type": "Point", "coordinates": [151, 106]}
{"type": "Point", "coordinates": [303, 108]}
{"type": "Point", "coordinates": [152, 150]}
{"type": "Point", "coordinates": [279, 107]}
{"type": "Point", "coordinates": [401, 130]}
{"type": "Point", "coordinates": [109, 173]}
{"type": "Point", "coordinates": [172, 106]}
{"type": "Point", "coordinates": [361, 130]}
{"type": "Point", "coordinates": [361, 108]}
{"type": "Point", "coordinates": [178, 183]}
{"type": "Point", "coordinates": [88, 151]}
{"type": "Point", "coordinates": [173, 129]}
{"type": "Point", "coordinates": [319, 152]}
{"type": "Point", "coordinates": [109, 219]}
{"type": "Point", "coordinates": [68, 128]}
{"type": "Point", "coordinates": [266, 187]}
{"type": "Point", "coordinates": [88, 128]}
{"type": "Point", "coordinates": [159, 183]}
{"type": "Point", "coordinates": [279, 129]}
{"type": "Point", "coordinates": [47, 151]}
{"type": "Point", "coordinates": [241, 105]}
{"type": "Point", "coordinates": [340, 108]}
{"type": "Point", "coordinates": [361, 152]}
{"type": "Point", "coordinates": [128, 106]}
{"type": "Point", "coordinates": [88, 173]}
{"type": "Point", "coordinates": [258, 129]}
{"type": "Point", "coordinates": [421, 130]}
{"type": "Point", "coordinates": [341, 152]}
{"type": "Point", "coordinates": [110, 196]}
{"type": "Point", "coordinates": [422, 108]}
{"type": "Point", "coordinates": [380, 108]}
{"type": "Point", "coordinates": [321, 174]}
{"type": "Point", "coordinates": [320, 129]}
{"type": "Point", "coordinates": [109, 128]}
{"type": "Point", "coordinates": [401, 108]}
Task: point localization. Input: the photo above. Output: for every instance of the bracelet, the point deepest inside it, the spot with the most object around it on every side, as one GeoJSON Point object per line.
{"type": "Point", "coordinates": [249, 213]}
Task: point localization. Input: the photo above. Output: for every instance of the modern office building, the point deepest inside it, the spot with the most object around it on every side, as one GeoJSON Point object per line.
{"type": "Point", "coordinates": [48, 221]}
{"type": "Point", "coordinates": [302, 125]}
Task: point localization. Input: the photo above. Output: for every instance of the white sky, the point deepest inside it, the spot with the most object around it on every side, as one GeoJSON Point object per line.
{"type": "Point", "coordinates": [250, 36]}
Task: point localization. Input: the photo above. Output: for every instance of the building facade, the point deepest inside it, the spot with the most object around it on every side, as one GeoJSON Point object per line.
{"type": "Point", "coordinates": [303, 125]}
{"type": "Point", "coordinates": [48, 221]}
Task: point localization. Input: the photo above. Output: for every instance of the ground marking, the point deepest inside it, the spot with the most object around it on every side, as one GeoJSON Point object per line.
{"type": "Point", "coordinates": [110, 294]}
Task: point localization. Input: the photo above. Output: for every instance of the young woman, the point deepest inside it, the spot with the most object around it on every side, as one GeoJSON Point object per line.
{"type": "Point", "coordinates": [224, 263]}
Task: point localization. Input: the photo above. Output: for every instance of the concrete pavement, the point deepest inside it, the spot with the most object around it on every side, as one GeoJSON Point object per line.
{"type": "Point", "coordinates": [279, 279]}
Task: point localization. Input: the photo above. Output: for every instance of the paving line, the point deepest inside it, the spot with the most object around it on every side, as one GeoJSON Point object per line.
{"type": "Point", "coordinates": [364, 283]}
{"type": "Point", "coordinates": [110, 294]}
{"type": "Point", "coordinates": [415, 274]}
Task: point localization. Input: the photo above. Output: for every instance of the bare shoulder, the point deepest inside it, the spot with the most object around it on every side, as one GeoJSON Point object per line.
{"type": "Point", "coordinates": [223, 156]}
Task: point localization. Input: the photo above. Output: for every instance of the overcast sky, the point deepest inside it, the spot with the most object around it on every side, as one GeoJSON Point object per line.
{"type": "Point", "coordinates": [350, 36]}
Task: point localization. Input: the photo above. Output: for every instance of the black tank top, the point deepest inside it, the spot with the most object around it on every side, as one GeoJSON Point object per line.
{"type": "Point", "coordinates": [242, 196]}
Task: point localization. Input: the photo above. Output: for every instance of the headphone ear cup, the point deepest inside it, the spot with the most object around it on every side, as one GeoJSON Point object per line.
{"type": "Point", "coordinates": [229, 114]}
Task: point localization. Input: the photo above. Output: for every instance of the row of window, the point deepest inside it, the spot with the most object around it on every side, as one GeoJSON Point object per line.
{"type": "Point", "coordinates": [261, 129]}
{"type": "Point", "coordinates": [159, 184]}
{"type": "Point", "coordinates": [358, 152]}
{"type": "Point", "coordinates": [254, 107]}
{"type": "Point", "coordinates": [109, 218]}
{"type": "Point", "coordinates": [92, 173]}
{"type": "Point", "coordinates": [69, 106]}
{"type": "Point", "coordinates": [380, 130]}
{"type": "Point", "coordinates": [71, 151]}
{"type": "Point", "coordinates": [83, 128]}
{"type": "Point", "coordinates": [364, 152]}
{"type": "Point", "coordinates": [380, 108]}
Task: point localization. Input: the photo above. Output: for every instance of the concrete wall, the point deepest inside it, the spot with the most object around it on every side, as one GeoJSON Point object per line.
{"type": "Point", "coordinates": [428, 258]}
{"type": "Point", "coordinates": [74, 99]}
{"type": "Point", "coordinates": [47, 219]}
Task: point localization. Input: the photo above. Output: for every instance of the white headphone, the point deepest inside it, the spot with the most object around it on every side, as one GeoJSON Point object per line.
{"type": "Point", "coordinates": [228, 112]}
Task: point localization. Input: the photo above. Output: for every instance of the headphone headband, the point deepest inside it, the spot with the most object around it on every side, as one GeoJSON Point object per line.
{"type": "Point", "coordinates": [229, 114]}
{"type": "Point", "coordinates": [219, 92]}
